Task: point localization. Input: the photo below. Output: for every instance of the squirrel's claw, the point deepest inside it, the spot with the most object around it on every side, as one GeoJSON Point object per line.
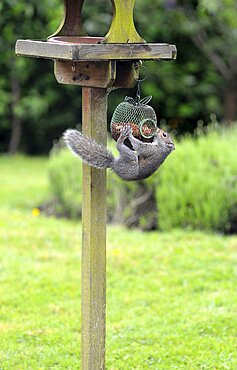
{"type": "Point", "coordinates": [126, 131]}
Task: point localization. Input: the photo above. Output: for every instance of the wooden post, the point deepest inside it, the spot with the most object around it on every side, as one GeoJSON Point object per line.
{"type": "Point", "coordinates": [96, 64]}
{"type": "Point", "coordinates": [93, 298]}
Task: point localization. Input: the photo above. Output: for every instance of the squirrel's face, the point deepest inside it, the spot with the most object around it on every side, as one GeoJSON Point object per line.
{"type": "Point", "coordinates": [164, 139]}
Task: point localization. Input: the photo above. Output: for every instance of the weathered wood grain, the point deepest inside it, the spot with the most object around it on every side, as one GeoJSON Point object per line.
{"type": "Point", "coordinates": [91, 74]}
{"type": "Point", "coordinates": [93, 298]}
{"type": "Point", "coordinates": [126, 74]}
{"type": "Point", "coordinates": [71, 24]}
{"type": "Point", "coordinates": [95, 52]}
{"type": "Point", "coordinates": [109, 74]}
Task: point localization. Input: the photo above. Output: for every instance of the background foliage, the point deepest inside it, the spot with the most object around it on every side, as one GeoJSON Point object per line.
{"type": "Point", "coordinates": [199, 184]}
{"type": "Point", "coordinates": [35, 110]}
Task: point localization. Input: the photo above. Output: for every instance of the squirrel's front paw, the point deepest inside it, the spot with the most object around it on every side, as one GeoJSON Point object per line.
{"type": "Point", "coordinates": [126, 131]}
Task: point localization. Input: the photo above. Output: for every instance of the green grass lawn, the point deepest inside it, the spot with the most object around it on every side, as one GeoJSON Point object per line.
{"type": "Point", "coordinates": [171, 297]}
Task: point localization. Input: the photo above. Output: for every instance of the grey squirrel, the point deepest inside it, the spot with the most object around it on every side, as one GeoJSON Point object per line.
{"type": "Point", "coordinates": [132, 164]}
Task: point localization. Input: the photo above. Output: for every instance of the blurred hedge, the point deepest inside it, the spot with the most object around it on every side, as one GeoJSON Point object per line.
{"type": "Point", "coordinates": [196, 187]}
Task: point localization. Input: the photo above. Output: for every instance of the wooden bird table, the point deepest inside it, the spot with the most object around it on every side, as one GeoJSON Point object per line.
{"type": "Point", "coordinates": [98, 64]}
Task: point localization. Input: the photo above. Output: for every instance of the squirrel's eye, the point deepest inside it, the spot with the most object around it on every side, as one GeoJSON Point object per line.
{"type": "Point", "coordinates": [164, 134]}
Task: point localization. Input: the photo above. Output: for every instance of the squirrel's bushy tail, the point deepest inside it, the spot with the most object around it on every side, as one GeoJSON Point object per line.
{"type": "Point", "coordinates": [90, 152]}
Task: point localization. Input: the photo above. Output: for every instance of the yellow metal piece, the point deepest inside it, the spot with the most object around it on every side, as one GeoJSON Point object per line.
{"type": "Point", "coordinates": [122, 28]}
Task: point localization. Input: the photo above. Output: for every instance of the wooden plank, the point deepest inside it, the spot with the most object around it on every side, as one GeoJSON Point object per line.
{"type": "Point", "coordinates": [124, 51]}
{"type": "Point", "coordinates": [43, 49]}
{"type": "Point", "coordinates": [95, 52]}
{"type": "Point", "coordinates": [91, 74]}
{"type": "Point", "coordinates": [71, 24]}
{"type": "Point", "coordinates": [122, 29]}
{"type": "Point", "coordinates": [109, 74]}
{"type": "Point", "coordinates": [94, 237]}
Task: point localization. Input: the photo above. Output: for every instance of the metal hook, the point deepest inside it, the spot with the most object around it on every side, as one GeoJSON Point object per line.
{"type": "Point", "coordinates": [138, 81]}
{"type": "Point", "coordinates": [138, 94]}
{"type": "Point", "coordinates": [147, 74]}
